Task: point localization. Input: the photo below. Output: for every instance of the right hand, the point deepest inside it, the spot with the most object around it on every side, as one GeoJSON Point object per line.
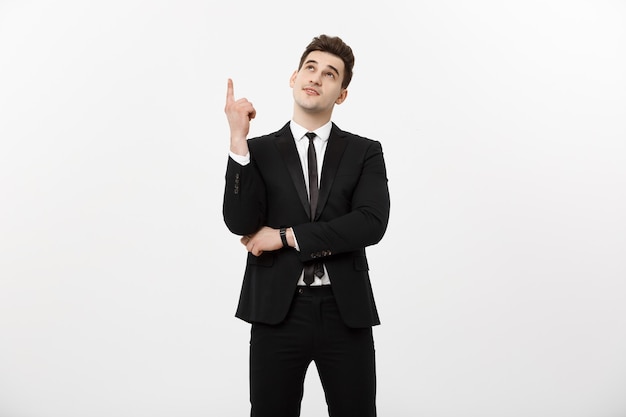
{"type": "Point", "coordinates": [265, 239]}
{"type": "Point", "coordinates": [239, 113]}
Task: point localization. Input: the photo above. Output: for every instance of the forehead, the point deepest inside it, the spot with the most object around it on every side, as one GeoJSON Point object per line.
{"type": "Point", "coordinates": [325, 59]}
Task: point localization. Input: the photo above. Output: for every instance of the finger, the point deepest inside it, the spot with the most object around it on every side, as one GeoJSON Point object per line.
{"type": "Point", "coordinates": [246, 105]}
{"type": "Point", "coordinates": [230, 91]}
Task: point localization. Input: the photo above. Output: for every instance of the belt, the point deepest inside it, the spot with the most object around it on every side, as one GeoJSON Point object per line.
{"type": "Point", "coordinates": [314, 290]}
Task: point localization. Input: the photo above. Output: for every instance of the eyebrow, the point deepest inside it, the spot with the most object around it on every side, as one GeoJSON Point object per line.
{"type": "Point", "coordinates": [312, 61]}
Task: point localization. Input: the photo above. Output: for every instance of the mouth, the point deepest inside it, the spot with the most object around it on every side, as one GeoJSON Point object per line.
{"type": "Point", "coordinates": [311, 91]}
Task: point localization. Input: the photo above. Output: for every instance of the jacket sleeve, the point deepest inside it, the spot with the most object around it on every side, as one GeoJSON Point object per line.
{"type": "Point", "coordinates": [244, 203]}
{"type": "Point", "coordinates": [364, 224]}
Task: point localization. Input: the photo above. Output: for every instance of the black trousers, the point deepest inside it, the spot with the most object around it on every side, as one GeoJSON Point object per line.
{"type": "Point", "coordinates": [313, 331]}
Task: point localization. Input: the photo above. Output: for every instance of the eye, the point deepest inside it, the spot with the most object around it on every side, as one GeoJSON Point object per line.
{"type": "Point", "coordinates": [330, 75]}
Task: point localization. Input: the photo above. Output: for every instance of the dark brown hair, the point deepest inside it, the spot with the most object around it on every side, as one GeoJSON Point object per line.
{"type": "Point", "coordinates": [336, 46]}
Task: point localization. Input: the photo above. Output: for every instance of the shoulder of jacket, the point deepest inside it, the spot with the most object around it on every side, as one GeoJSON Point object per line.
{"type": "Point", "coordinates": [351, 136]}
{"type": "Point", "coordinates": [271, 136]}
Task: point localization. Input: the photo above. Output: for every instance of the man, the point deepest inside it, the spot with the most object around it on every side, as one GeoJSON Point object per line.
{"type": "Point", "coordinates": [307, 200]}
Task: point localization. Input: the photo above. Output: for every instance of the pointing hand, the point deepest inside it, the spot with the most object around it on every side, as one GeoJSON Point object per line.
{"type": "Point", "coordinates": [239, 113]}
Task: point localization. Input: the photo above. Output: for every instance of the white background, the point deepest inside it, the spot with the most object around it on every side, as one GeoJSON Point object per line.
{"type": "Point", "coordinates": [501, 281]}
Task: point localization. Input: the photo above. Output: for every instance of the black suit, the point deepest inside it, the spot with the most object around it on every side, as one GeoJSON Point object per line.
{"type": "Point", "coordinates": [352, 213]}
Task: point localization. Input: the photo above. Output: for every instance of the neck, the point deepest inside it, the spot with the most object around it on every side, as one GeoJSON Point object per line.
{"type": "Point", "coordinates": [311, 121]}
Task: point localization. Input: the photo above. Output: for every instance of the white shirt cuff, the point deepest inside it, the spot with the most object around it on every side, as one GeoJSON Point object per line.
{"type": "Point", "coordinates": [241, 160]}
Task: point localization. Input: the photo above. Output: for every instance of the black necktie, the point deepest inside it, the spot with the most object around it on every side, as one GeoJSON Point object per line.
{"type": "Point", "coordinates": [313, 268]}
{"type": "Point", "coordinates": [313, 191]}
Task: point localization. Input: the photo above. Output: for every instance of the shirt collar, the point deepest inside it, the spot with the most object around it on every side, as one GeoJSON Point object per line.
{"type": "Point", "coordinates": [322, 132]}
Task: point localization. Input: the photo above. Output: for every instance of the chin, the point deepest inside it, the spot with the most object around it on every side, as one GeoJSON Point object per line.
{"type": "Point", "coordinates": [306, 105]}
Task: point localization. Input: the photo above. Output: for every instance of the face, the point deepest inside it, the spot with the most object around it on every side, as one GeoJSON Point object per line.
{"type": "Point", "coordinates": [317, 84]}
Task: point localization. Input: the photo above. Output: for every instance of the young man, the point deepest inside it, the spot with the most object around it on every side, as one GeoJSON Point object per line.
{"type": "Point", "coordinates": [307, 200]}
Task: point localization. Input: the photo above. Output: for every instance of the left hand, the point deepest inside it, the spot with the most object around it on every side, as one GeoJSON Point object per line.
{"type": "Point", "coordinates": [265, 239]}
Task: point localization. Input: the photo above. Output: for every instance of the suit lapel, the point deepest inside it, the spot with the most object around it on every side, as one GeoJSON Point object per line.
{"type": "Point", "coordinates": [335, 148]}
{"type": "Point", "coordinates": [287, 148]}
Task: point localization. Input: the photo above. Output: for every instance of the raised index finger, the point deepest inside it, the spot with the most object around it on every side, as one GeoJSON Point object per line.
{"type": "Point", "coordinates": [230, 91]}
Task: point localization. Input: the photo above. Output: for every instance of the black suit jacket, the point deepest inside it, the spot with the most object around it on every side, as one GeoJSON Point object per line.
{"type": "Point", "coordinates": [352, 213]}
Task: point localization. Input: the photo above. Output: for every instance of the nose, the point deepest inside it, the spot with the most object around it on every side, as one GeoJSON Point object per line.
{"type": "Point", "coordinates": [316, 77]}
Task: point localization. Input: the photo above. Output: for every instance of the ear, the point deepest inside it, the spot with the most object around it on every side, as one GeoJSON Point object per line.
{"type": "Point", "coordinates": [292, 80]}
{"type": "Point", "coordinates": [342, 96]}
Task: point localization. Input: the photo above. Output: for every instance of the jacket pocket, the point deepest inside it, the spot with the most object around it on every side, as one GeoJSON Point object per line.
{"type": "Point", "coordinates": [265, 259]}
